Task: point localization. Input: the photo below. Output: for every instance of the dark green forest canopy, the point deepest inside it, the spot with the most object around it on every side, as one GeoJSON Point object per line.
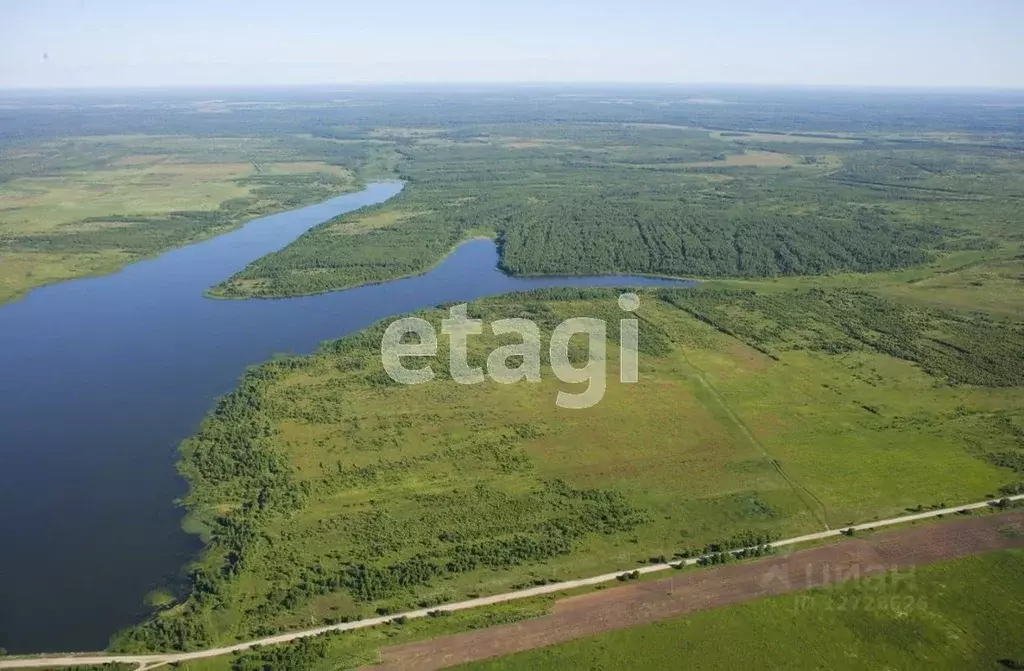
{"type": "Point", "coordinates": [674, 237]}
{"type": "Point", "coordinates": [703, 183]}
{"type": "Point", "coordinates": [571, 198]}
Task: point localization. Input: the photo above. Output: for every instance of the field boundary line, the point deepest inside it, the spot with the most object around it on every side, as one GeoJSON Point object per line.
{"type": "Point", "coordinates": [749, 435]}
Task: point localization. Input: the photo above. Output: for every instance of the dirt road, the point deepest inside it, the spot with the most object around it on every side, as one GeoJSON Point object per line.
{"type": "Point", "coordinates": [147, 661]}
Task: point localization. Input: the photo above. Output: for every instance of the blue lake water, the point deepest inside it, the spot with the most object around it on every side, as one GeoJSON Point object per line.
{"type": "Point", "coordinates": [102, 378]}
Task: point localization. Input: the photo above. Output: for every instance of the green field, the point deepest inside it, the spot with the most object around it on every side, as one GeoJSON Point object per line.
{"type": "Point", "coordinates": [327, 491]}
{"type": "Point", "coordinates": [90, 205]}
{"type": "Point", "coordinates": [961, 614]}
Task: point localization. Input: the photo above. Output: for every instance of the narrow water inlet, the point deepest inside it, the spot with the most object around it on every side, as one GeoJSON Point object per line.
{"type": "Point", "coordinates": [102, 378]}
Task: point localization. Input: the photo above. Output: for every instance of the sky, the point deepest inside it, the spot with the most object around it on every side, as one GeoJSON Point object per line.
{"type": "Point", "coordinates": [142, 43]}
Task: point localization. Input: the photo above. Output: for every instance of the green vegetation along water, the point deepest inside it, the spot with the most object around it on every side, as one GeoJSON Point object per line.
{"type": "Point", "coordinates": [665, 200]}
{"type": "Point", "coordinates": [857, 353]}
{"type": "Point", "coordinates": [755, 415]}
{"type": "Point", "coordinates": [144, 346]}
{"type": "Point", "coordinates": [90, 205]}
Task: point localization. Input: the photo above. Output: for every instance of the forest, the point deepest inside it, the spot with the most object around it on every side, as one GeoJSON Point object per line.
{"type": "Point", "coordinates": [799, 184]}
{"type": "Point", "coordinates": [32, 115]}
{"type": "Point", "coordinates": [646, 199]}
{"type": "Point", "coordinates": [588, 236]}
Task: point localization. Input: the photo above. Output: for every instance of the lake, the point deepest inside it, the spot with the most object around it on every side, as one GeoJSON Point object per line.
{"type": "Point", "coordinates": [102, 378]}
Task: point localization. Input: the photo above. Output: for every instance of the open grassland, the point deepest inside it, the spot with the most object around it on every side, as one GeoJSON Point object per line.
{"type": "Point", "coordinates": [867, 386]}
{"type": "Point", "coordinates": [84, 206]}
{"type": "Point", "coordinates": [43, 204]}
{"type": "Point", "coordinates": [987, 283]}
{"type": "Point", "coordinates": [328, 491]}
{"type": "Point", "coordinates": [962, 614]}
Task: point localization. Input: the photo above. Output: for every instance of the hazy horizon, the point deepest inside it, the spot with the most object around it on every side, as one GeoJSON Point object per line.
{"type": "Point", "coordinates": [469, 85]}
{"type": "Point", "coordinates": [116, 44]}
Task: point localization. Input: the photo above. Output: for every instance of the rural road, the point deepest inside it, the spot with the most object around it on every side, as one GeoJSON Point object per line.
{"type": "Point", "coordinates": [155, 660]}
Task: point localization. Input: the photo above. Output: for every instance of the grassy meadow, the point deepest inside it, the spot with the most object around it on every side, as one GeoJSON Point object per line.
{"type": "Point", "coordinates": [84, 206]}
{"type": "Point", "coordinates": [327, 491]}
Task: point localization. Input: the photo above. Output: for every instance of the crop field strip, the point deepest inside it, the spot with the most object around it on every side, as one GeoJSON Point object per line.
{"type": "Point", "coordinates": [624, 607]}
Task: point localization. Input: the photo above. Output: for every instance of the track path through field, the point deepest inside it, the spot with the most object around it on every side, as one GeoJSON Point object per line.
{"type": "Point", "coordinates": [810, 499]}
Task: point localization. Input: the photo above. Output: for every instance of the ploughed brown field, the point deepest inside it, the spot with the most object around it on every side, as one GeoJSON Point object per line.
{"type": "Point", "coordinates": [695, 590]}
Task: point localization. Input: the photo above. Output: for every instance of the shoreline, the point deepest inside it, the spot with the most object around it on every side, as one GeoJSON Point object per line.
{"type": "Point", "coordinates": [68, 659]}
{"type": "Point", "coordinates": [356, 187]}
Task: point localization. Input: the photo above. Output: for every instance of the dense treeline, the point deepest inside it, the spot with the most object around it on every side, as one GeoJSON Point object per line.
{"type": "Point", "coordinates": [580, 513]}
{"type": "Point", "coordinates": [716, 558]}
{"type": "Point", "coordinates": [325, 260]}
{"type": "Point", "coordinates": [747, 539]}
{"type": "Point", "coordinates": [569, 198]}
{"type": "Point", "coordinates": [233, 458]}
{"type": "Point", "coordinates": [592, 236]}
{"type": "Point", "coordinates": [300, 655]}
